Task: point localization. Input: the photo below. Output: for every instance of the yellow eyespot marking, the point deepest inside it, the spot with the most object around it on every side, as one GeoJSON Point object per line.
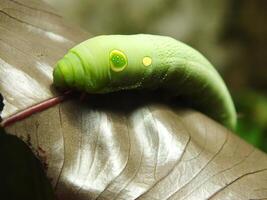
{"type": "Point", "coordinates": [147, 61]}
{"type": "Point", "coordinates": [118, 60]}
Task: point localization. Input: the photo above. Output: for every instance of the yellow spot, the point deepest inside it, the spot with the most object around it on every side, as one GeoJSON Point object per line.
{"type": "Point", "coordinates": [147, 61]}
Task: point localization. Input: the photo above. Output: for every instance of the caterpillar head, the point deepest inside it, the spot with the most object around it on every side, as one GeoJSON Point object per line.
{"type": "Point", "coordinates": [82, 69]}
{"type": "Point", "coordinates": [89, 74]}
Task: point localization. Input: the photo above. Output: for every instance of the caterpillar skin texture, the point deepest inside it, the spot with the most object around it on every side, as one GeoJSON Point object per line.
{"type": "Point", "coordinates": [117, 62]}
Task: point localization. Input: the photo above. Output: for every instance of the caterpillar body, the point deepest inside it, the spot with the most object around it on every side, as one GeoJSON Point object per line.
{"type": "Point", "coordinates": [117, 62]}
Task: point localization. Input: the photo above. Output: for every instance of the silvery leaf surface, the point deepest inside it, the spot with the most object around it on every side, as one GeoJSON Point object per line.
{"type": "Point", "coordinates": [118, 146]}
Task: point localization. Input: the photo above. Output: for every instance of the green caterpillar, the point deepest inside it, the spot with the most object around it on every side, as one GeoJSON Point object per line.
{"type": "Point", "coordinates": [117, 62]}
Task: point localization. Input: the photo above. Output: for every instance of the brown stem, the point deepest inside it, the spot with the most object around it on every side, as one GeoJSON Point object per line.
{"type": "Point", "coordinates": [34, 109]}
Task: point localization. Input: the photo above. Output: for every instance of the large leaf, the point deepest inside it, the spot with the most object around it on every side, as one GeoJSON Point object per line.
{"type": "Point", "coordinates": [120, 146]}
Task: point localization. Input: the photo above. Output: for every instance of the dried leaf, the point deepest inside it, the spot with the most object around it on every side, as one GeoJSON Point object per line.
{"type": "Point", "coordinates": [120, 146]}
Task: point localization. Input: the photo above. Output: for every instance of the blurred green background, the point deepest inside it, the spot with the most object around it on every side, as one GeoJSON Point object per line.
{"type": "Point", "coordinates": [232, 34]}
